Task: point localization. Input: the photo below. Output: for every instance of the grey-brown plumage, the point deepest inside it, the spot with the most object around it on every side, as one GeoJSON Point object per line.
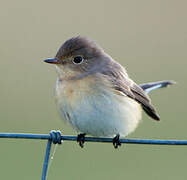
{"type": "Point", "coordinates": [97, 61]}
{"type": "Point", "coordinates": [95, 94]}
{"type": "Point", "coordinates": [79, 46]}
{"type": "Point", "coordinates": [116, 73]}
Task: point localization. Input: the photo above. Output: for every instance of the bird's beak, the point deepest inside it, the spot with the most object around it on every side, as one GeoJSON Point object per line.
{"type": "Point", "coordinates": [52, 61]}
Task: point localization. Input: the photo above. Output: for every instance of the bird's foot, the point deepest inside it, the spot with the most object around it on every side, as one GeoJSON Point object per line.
{"type": "Point", "coordinates": [81, 139]}
{"type": "Point", "coordinates": [116, 141]}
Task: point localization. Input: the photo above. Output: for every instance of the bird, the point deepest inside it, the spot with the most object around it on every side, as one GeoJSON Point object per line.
{"type": "Point", "coordinates": [94, 93]}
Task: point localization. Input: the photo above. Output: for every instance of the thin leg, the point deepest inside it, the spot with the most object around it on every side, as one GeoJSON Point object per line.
{"type": "Point", "coordinates": [81, 139]}
{"type": "Point", "coordinates": [116, 141]}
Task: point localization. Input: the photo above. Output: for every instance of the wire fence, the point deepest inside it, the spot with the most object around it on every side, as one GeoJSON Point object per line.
{"type": "Point", "coordinates": [55, 137]}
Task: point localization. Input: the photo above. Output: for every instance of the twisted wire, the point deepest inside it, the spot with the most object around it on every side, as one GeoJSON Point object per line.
{"type": "Point", "coordinates": [55, 137]}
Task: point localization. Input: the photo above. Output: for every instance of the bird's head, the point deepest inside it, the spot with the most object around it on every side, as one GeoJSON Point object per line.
{"type": "Point", "coordinates": [78, 55]}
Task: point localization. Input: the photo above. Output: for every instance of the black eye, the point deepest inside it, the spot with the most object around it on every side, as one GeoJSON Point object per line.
{"type": "Point", "coordinates": [77, 60]}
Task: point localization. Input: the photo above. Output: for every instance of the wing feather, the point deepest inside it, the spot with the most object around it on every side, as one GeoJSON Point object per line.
{"type": "Point", "coordinates": [117, 75]}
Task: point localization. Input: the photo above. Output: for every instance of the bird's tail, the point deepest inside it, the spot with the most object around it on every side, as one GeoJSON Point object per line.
{"type": "Point", "coordinates": [148, 87]}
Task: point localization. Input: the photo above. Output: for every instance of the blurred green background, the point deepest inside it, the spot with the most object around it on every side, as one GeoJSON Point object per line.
{"type": "Point", "coordinates": [148, 37]}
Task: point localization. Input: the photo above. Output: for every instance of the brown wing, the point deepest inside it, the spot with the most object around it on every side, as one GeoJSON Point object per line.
{"type": "Point", "coordinates": [117, 75]}
{"type": "Point", "coordinates": [145, 101]}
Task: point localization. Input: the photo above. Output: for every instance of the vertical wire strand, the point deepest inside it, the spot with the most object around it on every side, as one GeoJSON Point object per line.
{"type": "Point", "coordinates": [46, 160]}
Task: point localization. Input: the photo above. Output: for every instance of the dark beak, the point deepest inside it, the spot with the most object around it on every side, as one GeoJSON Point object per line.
{"type": "Point", "coordinates": [52, 61]}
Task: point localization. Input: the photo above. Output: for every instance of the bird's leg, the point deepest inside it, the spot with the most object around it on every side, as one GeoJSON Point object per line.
{"type": "Point", "coordinates": [116, 141]}
{"type": "Point", "coordinates": [81, 139]}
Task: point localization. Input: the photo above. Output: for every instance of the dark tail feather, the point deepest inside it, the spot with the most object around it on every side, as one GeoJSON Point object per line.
{"type": "Point", "coordinates": [147, 87]}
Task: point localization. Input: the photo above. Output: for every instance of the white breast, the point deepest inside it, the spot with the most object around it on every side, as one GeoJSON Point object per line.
{"type": "Point", "coordinates": [99, 111]}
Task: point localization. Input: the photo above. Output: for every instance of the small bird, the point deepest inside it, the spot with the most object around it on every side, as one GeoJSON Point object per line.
{"type": "Point", "coordinates": [95, 94]}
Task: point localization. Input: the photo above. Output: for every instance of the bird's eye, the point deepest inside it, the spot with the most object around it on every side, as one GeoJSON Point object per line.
{"type": "Point", "coordinates": [77, 60]}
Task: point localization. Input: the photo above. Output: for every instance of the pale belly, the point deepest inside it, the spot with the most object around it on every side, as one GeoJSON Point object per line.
{"type": "Point", "coordinates": [98, 114]}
